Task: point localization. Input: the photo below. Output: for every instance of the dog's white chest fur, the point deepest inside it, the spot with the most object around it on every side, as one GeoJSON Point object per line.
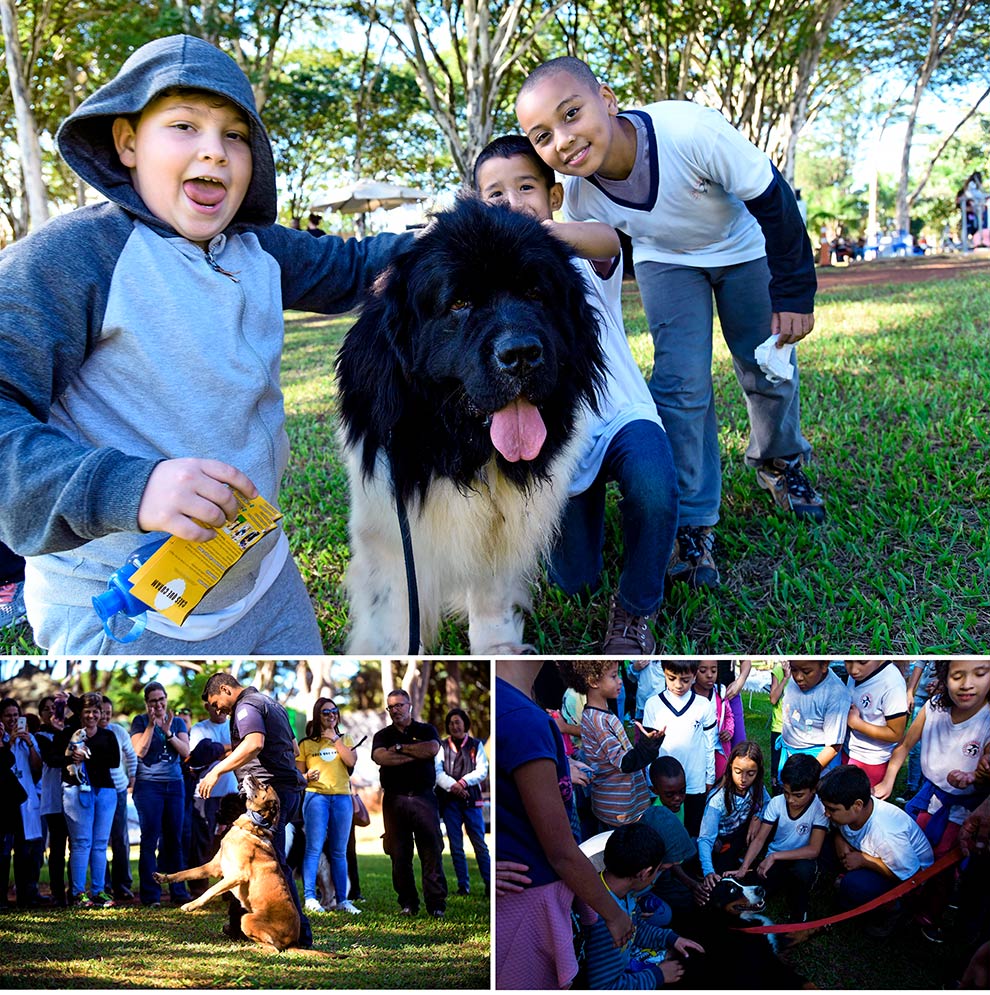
{"type": "Point", "coordinates": [475, 551]}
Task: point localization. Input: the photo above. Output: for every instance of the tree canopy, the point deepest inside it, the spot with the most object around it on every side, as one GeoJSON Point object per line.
{"type": "Point", "coordinates": [410, 90]}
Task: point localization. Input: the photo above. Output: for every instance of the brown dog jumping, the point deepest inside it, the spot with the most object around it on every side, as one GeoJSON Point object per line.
{"type": "Point", "coordinates": [247, 866]}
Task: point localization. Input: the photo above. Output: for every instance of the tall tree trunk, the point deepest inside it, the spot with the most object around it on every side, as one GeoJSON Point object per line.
{"type": "Point", "coordinates": [27, 129]}
{"type": "Point", "coordinates": [944, 23]}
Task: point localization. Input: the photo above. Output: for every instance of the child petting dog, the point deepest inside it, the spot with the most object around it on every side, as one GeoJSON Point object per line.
{"type": "Point", "coordinates": [633, 857]}
{"type": "Point", "coordinates": [791, 832]}
{"type": "Point", "coordinates": [626, 441]}
{"type": "Point", "coordinates": [828, 844]}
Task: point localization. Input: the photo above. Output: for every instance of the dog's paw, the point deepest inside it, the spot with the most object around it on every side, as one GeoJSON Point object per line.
{"type": "Point", "coordinates": [192, 906]}
{"type": "Point", "coordinates": [160, 878]}
{"type": "Point", "coordinates": [509, 649]}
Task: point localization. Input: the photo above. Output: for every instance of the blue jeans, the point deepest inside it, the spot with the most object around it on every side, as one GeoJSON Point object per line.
{"type": "Point", "coordinates": [456, 814]}
{"type": "Point", "coordinates": [862, 885]}
{"type": "Point", "coordinates": [326, 815]}
{"type": "Point", "coordinates": [639, 458]}
{"type": "Point", "coordinates": [678, 304]}
{"type": "Point", "coordinates": [160, 805]}
{"type": "Point", "coordinates": [120, 847]}
{"type": "Point", "coordinates": [89, 816]}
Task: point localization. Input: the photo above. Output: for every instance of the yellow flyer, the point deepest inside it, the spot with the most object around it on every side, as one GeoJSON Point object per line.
{"type": "Point", "coordinates": [176, 577]}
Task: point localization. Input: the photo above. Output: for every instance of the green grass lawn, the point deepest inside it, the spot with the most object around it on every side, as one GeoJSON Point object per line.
{"type": "Point", "coordinates": [895, 403]}
{"type": "Point", "coordinates": [134, 947]}
{"type": "Point", "coordinates": [843, 956]}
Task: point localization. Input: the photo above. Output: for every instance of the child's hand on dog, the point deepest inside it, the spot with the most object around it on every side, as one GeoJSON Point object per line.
{"type": "Point", "coordinates": [672, 970]}
{"type": "Point", "coordinates": [739, 872]}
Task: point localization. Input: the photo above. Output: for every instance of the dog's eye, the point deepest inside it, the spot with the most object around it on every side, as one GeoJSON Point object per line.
{"type": "Point", "coordinates": [459, 305]}
{"type": "Point", "coordinates": [533, 295]}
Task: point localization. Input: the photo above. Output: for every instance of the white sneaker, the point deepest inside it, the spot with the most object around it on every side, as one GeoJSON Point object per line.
{"type": "Point", "coordinates": [312, 905]}
{"type": "Point", "coordinates": [347, 906]}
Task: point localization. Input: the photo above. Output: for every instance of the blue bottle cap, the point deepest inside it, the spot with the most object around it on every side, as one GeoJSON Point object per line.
{"type": "Point", "coordinates": [114, 601]}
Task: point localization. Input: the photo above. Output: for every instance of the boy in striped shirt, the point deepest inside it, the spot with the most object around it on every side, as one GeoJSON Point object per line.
{"type": "Point", "coordinates": [620, 789]}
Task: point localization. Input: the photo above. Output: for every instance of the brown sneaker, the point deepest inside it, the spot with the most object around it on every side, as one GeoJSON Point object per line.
{"type": "Point", "coordinates": [692, 561]}
{"type": "Point", "coordinates": [628, 635]}
{"type": "Point", "coordinates": [790, 488]}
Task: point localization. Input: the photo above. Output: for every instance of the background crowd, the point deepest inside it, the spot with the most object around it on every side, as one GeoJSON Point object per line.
{"type": "Point", "coordinates": [67, 770]}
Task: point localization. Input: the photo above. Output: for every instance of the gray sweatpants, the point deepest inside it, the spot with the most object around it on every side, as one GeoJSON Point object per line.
{"type": "Point", "coordinates": [282, 624]}
{"type": "Point", "coordinates": [678, 304]}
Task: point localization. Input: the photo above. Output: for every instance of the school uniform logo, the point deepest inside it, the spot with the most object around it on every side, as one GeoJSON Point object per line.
{"type": "Point", "coordinates": [971, 749]}
{"type": "Point", "coordinates": [865, 702]}
{"type": "Point", "coordinates": [327, 754]}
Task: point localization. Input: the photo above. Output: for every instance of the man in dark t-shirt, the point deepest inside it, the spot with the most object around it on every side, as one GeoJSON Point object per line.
{"type": "Point", "coordinates": [262, 743]}
{"type": "Point", "coordinates": [405, 750]}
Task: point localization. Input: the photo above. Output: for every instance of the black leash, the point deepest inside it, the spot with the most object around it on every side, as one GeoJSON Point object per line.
{"type": "Point", "coordinates": [412, 591]}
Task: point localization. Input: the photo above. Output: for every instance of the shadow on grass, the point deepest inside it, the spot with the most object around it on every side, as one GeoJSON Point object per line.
{"type": "Point", "coordinates": [133, 947]}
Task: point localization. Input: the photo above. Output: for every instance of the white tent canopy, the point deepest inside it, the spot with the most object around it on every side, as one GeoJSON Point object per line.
{"type": "Point", "coordinates": [364, 196]}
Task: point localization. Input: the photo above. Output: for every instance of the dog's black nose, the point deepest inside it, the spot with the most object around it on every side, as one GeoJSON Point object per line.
{"type": "Point", "coordinates": [518, 352]}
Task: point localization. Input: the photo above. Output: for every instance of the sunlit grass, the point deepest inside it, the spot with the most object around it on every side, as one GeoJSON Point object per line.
{"type": "Point", "coordinates": [134, 947]}
{"type": "Point", "coordinates": [894, 401]}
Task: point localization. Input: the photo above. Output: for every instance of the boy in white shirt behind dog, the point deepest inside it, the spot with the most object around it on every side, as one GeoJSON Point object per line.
{"type": "Point", "coordinates": [626, 439]}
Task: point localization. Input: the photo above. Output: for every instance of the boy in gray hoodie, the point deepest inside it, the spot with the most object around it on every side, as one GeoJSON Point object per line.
{"type": "Point", "coordinates": [141, 342]}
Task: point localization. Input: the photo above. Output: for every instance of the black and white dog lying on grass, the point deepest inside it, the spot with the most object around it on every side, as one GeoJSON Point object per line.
{"type": "Point", "coordinates": [461, 387]}
{"type": "Point", "coordinates": [735, 959]}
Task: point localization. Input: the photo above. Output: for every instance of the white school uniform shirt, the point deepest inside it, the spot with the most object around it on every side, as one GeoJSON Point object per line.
{"type": "Point", "coordinates": [625, 397]}
{"type": "Point", "coordinates": [791, 834]}
{"type": "Point", "coordinates": [218, 732]}
{"type": "Point", "coordinates": [881, 696]}
{"type": "Point", "coordinates": [31, 808]}
{"type": "Point", "coordinates": [948, 745]}
{"type": "Point", "coordinates": [702, 170]}
{"type": "Point", "coordinates": [691, 734]}
{"type": "Point", "coordinates": [894, 837]}
{"type": "Point", "coordinates": [817, 717]}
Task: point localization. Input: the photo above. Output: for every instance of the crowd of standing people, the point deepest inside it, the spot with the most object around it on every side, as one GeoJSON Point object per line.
{"type": "Point", "coordinates": [69, 769]}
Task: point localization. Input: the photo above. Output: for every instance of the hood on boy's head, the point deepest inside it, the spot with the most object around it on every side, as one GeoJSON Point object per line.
{"type": "Point", "coordinates": [85, 138]}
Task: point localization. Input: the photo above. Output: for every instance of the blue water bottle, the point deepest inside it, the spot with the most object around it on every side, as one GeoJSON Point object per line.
{"type": "Point", "coordinates": [117, 599]}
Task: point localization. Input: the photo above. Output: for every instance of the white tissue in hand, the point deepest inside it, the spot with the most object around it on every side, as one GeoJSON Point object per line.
{"type": "Point", "coordinates": [775, 363]}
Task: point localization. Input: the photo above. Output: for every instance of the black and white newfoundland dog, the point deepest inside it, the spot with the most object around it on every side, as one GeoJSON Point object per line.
{"type": "Point", "coordinates": [461, 391]}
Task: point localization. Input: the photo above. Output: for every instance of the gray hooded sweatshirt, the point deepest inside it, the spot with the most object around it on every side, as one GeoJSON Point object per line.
{"type": "Point", "coordinates": [123, 345]}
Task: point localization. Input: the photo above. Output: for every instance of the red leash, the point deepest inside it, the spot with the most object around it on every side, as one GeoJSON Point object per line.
{"type": "Point", "coordinates": [952, 857]}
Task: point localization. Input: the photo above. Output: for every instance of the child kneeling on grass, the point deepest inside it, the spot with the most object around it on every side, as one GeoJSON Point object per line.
{"type": "Point", "coordinates": [877, 844]}
{"type": "Point", "coordinates": [634, 856]}
{"type": "Point", "coordinates": [796, 825]}
{"type": "Point", "coordinates": [732, 813]}
{"type": "Point", "coordinates": [626, 441]}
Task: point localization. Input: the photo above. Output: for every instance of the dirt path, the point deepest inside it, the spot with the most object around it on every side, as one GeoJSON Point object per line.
{"type": "Point", "coordinates": [909, 269]}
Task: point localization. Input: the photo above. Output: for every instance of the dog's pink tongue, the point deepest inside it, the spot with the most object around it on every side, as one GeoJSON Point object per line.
{"type": "Point", "coordinates": [204, 192]}
{"type": "Point", "coordinates": [517, 431]}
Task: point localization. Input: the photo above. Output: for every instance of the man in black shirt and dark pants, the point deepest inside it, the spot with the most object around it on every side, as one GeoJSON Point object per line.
{"type": "Point", "coordinates": [405, 750]}
{"type": "Point", "coordinates": [263, 744]}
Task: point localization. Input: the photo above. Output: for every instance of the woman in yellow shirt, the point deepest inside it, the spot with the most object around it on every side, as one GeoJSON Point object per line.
{"type": "Point", "coordinates": [326, 758]}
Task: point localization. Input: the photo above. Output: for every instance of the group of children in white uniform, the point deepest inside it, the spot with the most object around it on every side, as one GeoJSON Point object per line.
{"type": "Point", "coordinates": [856, 729]}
